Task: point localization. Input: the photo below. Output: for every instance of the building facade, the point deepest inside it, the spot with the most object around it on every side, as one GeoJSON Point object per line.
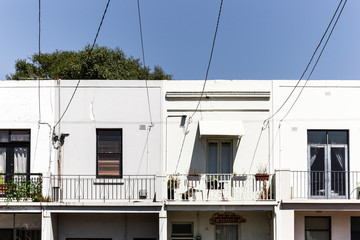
{"type": "Point", "coordinates": [251, 160]}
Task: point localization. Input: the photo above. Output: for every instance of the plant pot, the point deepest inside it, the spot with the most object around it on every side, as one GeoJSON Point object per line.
{"type": "Point", "coordinates": [170, 194]}
{"type": "Point", "coordinates": [261, 177]}
{"type": "Point", "coordinates": [193, 178]}
{"type": "Point", "coordinates": [240, 178]}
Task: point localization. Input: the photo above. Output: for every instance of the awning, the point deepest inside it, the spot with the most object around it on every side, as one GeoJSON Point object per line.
{"type": "Point", "coordinates": [221, 128]}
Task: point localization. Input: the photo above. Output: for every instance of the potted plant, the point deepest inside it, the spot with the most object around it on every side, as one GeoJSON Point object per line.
{"type": "Point", "coordinates": [213, 183]}
{"type": "Point", "coordinates": [262, 174]}
{"type": "Point", "coordinates": [172, 184]}
{"type": "Point", "coordinates": [239, 177]}
{"type": "Point", "coordinates": [194, 176]}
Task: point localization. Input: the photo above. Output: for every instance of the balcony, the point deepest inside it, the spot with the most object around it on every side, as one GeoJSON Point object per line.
{"type": "Point", "coordinates": [80, 188]}
{"type": "Point", "coordinates": [325, 185]}
{"type": "Point", "coordinates": [219, 187]}
{"type": "Point", "coordinates": [21, 187]}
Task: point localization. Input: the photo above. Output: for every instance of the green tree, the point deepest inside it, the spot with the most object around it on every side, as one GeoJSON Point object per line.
{"type": "Point", "coordinates": [99, 63]}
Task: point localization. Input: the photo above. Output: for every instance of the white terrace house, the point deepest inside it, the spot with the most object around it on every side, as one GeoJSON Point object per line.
{"type": "Point", "coordinates": [211, 160]}
{"type": "Point", "coordinates": [111, 170]}
{"type": "Point", "coordinates": [100, 166]}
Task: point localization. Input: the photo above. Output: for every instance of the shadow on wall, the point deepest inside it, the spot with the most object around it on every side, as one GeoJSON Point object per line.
{"type": "Point", "coordinates": [198, 158]}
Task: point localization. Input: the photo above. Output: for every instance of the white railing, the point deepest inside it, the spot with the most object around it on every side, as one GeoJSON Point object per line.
{"type": "Point", "coordinates": [90, 188]}
{"type": "Point", "coordinates": [325, 184]}
{"type": "Point", "coordinates": [219, 187]}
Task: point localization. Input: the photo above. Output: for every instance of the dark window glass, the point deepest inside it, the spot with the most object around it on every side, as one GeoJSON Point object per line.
{"type": "Point", "coordinates": [355, 228]}
{"type": "Point", "coordinates": [318, 228]}
{"type": "Point", "coordinates": [338, 137]}
{"type": "Point", "coordinates": [109, 152]}
{"type": "Point", "coordinates": [316, 137]}
{"type": "Point", "coordinates": [6, 234]}
{"type": "Point", "coordinates": [182, 229]}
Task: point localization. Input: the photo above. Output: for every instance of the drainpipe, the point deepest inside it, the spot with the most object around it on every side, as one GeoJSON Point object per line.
{"type": "Point", "coordinates": [58, 133]}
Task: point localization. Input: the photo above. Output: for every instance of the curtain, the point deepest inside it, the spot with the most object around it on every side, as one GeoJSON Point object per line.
{"type": "Point", "coordinates": [20, 159]}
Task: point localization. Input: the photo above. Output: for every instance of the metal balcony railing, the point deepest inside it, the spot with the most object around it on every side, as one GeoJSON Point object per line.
{"type": "Point", "coordinates": [21, 186]}
{"type": "Point", "coordinates": [219, 187]}
{"type": "Point", "coordinates": [90, 188]}
{"type": "Point", "coordinates": [325, 184]}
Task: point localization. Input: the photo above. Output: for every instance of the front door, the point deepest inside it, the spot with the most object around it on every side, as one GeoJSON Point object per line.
{"type": "Point", "coordinates": [226, 232]}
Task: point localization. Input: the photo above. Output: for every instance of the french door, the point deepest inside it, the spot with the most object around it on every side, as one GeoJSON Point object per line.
{"type": "Point", "coordinates": [226, 232]}
{"type": "Point", "coordinates": [328, 170]}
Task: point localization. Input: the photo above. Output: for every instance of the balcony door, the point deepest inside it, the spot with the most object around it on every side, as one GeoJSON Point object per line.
{"type": "Point", "coordinates": [328, 164]}
{"type": "Point", "coordinates": [219, 156]}
{"type": "Point", "coordinates": [14, 152]}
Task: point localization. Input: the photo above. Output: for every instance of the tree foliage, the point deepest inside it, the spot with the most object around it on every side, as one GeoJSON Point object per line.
{"type": "Point", "coordinates": [99, 63]}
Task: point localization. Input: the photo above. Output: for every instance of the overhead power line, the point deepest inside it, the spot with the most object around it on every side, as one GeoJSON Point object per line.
{"type": "Point", "coordinates": [312, 70]}
{"type": "Point", "coordinates": [210, 58]}
{"type": "Point", "coordinates": [143, 56]}
{"type": "Point", "coordinates": [307, 66]}
{"type": "Point", "coordinates": [88, 55]}
{"type": "Point", "coordinates": [317, 60]}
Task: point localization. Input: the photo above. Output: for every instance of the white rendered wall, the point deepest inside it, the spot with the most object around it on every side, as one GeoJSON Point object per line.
{"type": "Point", "coordinates": [257, 226]}
{"type": "Point", "coordinates": [251, 111]}
{"type": "Point", "coordinates": [19, 102]}
{"type": "Point", "coordinates": [111, 104]}
{"type": "Point", "coordinates": [323, 105]}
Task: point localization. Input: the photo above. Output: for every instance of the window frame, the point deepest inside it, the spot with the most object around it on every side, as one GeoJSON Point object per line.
{"type": "Point", "coordinates": [120, 153]}
{"type": "Point", "coordinates": [322, 230]}
{"type": "Point", "coordinates": [184, 235]}
{"type": "Point", "coordinates": [10, 147]}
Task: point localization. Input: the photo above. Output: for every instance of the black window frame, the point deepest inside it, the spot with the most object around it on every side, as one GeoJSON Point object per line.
{"type": "Point", "coordinates": [322, 230]}
{"type": "Point", "coordinates": [120, 130]}
{"type": "Point", "coordinates": [11, 145]}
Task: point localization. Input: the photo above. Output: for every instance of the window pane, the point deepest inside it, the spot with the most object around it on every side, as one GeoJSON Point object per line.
{"type": "Point", "coordinates": [213, 157]}
{"type": "Point", "coordinates": [109, 141]}
{"type": "Point", "coordinates": [338, 137]}
{"type": "Point", "coordinates": [182, 229]}
{"type": "Point", "coordinates": [355, 224]}
{"type": "Point", "coordinates": [20, 159]}
{"type": "Point", "coordinates": [20, 136]}
{"type": "Point", "coordinates": [317, 223]}
{"type": "Point", "coordinates": [317, 235]}
{"type": "Point", "coordinates": [6, 234]}
{"type": "Point", "coordinates": [109, 164]}
{"type": "Point", "coordinates": [225, 157]}
{"type": "Point", "coordinates": [316, 137]}
{"type": "Point", "coordinates": [4, 136]}
{"type": "Point", "coordinates": [2, 160]}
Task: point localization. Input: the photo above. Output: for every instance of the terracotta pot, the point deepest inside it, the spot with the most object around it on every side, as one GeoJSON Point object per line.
{"type": "Point", "coordinates": [261, 177]}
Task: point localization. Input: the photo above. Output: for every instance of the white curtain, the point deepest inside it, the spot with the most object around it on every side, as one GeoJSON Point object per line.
{"type": "Point", "coordinates": [2, 160]}
{"type": "Point", "coordinates": [20, 159]}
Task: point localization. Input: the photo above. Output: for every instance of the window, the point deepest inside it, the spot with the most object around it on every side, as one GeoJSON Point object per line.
{"type": "Point", "coordinates": [14, 151]}
{"type": "Point", "coordinates": [21, 234]}
{"type": "Point", "coordinates": [109, 152]}
{"type": "Point", "coordinates": [355, 228]}
{"type": "Point", "coordinates": [318, 228]}
{"type": "Point", "coordinates": [328, 163]}
{"type": "Point", "coordinates": [182, 230]}
{"type": "Point", "coordinates": [226, 232]}
{"type": "Point", "coordinates": [219, 156]}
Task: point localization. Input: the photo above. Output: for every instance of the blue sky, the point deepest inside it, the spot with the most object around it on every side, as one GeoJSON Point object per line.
{"type": "Point", "coordinates": [257, 39]}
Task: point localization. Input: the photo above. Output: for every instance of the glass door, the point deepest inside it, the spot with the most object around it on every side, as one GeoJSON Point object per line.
{"type": "Point", "coordinates": [226, 232]}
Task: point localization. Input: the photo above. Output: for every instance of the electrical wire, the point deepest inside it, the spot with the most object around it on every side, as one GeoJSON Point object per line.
{"type": "Point", "coordinates": [203, 89]}
{"type": "Point", "coordinates": [312, 70]}
{"type": "Point", "coordinates": [266, 121]}
{"type": "Point", "coordinates": [210, 58]}
{"type": "Point", "coordinates": [302, 75]}
{"type": "Point", "coordinates": [143, 56]}
{"type": "Point", "coordinates": [91, 49]}
{"type": "Point", "coordinates": [39, 40]}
